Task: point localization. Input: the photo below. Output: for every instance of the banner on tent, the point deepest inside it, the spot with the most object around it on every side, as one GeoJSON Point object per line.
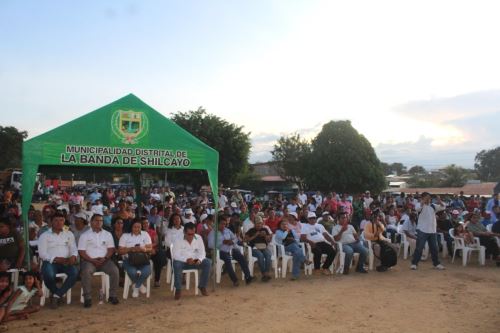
{"type": "Point", "coordinates": [118, 156]}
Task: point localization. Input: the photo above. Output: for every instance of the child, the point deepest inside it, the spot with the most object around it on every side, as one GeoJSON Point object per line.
{"type": "Point", "coordinates": [467, 236]}
{"type": "Point", "coordinates": [19, 304]}
{"type": "Point", "coordinates": [5, 292]}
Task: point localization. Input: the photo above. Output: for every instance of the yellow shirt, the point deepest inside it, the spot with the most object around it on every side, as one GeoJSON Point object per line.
{"type": "Point", "coordinates": [374, 233]}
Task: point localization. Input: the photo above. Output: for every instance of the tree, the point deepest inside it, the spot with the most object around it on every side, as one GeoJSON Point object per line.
{"type": "Point", "coordinates": [397, 168]}
{"type": "Point", "coordinates": [228, 139]}
{"type": "Point", "coordinates": [488, 165]}
{"type": "Point", "coordinates": [417, 170]}
{"type": "Point", "coordinates": [292, 154]}
{"type": "Point", "coordinates": [454, 176]}
{"type": "Point", "coordinates": [11, 145]}
{"type": "Point", "coordinates": [343, 160]}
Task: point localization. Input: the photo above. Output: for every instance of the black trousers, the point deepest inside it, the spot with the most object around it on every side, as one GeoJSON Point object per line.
{"type": "Point", "coordinates": [490, 244]}
{"type": "Point", "coordinates": [323, 248]}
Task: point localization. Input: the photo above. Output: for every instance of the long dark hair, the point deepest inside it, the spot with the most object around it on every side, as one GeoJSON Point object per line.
{"type": "Point", "coordinates": [171, 220]}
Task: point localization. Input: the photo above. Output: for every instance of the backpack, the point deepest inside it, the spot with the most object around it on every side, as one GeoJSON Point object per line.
{"type": "Point", "coordinates": [388, 256]}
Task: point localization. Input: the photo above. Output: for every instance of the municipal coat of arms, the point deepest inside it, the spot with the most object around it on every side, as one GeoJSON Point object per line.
{"type": "Point", "coordinates": [129, 126]}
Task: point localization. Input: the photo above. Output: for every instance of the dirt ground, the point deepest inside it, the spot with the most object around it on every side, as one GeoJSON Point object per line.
{"type": "Point", "coordinates": [460, 299]}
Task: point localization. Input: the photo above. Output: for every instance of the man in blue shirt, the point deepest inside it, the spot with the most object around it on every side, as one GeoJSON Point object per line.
{"type": "Point", "coordinates": [227, 244]}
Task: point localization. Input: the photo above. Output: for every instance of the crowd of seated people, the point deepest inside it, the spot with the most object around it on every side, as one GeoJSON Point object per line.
{"type": "Point", "coordinates": [112, 232]}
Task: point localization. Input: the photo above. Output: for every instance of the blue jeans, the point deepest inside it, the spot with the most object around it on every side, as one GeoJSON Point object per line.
{"type": "Point", "coordinates": [263, 258]}
{"type": "Point", "coordinates": [179, 266]}
{"type": "Point", "coordinates": [350, 249]}
{"type": "Point", "coordinates": [423, 237]}
{"type": "Point", "coordinates": [236, 255]}
{"type": "Point", "coordinates": [49, 271]}
{"type": "Point", "coordinates": [132, 273]}
{"type": "Point", "coordinates": [298, 257]}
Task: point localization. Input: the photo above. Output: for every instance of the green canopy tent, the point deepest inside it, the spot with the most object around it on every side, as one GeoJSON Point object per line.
{"type": "Point", "coordinates": [126, 135]}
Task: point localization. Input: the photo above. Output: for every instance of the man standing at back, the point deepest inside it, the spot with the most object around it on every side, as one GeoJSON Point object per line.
{"type": "Point", "coordinates": [426, 230]}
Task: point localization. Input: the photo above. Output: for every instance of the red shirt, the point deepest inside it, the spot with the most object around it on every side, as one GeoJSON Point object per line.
{"type": "Point", "coordinates": [273, 223]}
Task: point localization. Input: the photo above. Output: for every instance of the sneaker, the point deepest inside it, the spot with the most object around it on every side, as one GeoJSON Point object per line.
{"type": "Point", "coordinates": [362, 270]}
{"type": "Point", "coordinates": [143, 289]}
{"type": "Point", "coordinates": [249, 280]}
{"type": "Point", "coordinates": [135, 292]}
{"type": "Point", "coordinates": [413, 267]}
{"type": "Point", "coordinates": [439, 267]}
{"type": "Point", "coordinates": [87, 303]}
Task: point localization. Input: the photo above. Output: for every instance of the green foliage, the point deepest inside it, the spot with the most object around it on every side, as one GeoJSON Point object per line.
{"type": "Point", "coordinates": [488, 165]}
{"type": "Point", "coordinates": [417, 170]}
{"type": "Point", "coordinates": [291, 153]}
{"type": "Point", "coordinates": [11, 145]}
{"type": "Point", "coordinates": [343, 160]}
{"type": "Point", "coordinates": [228, 139]}
{"type": "Point", "coordinates": [397, 168]}
{"type": "Point", "coordinates": [455, 176]}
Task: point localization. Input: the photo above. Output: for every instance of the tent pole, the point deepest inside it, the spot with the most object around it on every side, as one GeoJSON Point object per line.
{"type": "Point", "coordinates": [136, 175]}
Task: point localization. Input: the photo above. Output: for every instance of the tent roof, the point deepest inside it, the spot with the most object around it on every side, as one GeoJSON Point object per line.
{"type": "Point", "coordinates": [114, 125]}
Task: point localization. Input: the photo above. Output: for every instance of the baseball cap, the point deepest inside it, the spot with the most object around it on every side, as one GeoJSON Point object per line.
{"type": "Point", "coordinates": [294, 215]}
{"type": "Point", "coordinates": [311, 215]}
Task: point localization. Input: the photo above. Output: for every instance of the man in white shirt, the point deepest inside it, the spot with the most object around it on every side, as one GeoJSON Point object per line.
{"type": "Point", "coordinates": [96, 247]}
{"type": "Point", "coordinates": [426, 230]}
{"type": "Point", "coordinates": [222, 200]}
{"type": "Point", "coordinates": [321, 242]}
{"type": "Point", "coordinates": [302, 197]}
{"type": "Point", "coordinates": [347, 235]}
{"type": "Point", "coordinates": [97, 207]}
{"type": "Point", "coordinates": [57, 250]}
{"type": "Point", "coordinates": [318, 198]}
{"type": "Point", "coordinates": [367, 200]}
{"type": "Point", "coordinates": [189, 253]}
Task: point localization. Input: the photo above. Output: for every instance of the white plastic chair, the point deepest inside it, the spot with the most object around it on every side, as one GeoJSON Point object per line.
{"type": "Point", "coordinates": [128, 283]}
{"type": "Point", "coordinates": [285, 258]}
{"type": "Point", "coordinates": [104, 285]}
{"type": "Point", "coordinates": [459, 244]}
{"type": "Point", "coordinates": [340, 258]}
{"type": "Point", "coordinates": [405, 245]}
{"type": "Point", "coordinates": [252, 260]}
{"type": "Point", "coordinates": [46, 291]}
{"type": "Point", "coordinates": [444, 246]}
{"type": "Point", "coordinates": [371, 255]}
{"type": "Point", "coordinates": [14, 276]}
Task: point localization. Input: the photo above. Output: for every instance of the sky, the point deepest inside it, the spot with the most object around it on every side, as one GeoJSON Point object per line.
{"type": "Point", "coordinates": [419, 79]}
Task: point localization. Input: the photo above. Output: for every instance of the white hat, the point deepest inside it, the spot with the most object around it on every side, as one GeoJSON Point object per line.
{"type": "Point", "coordinates": [325, 213]}
{"type": "Point", "coordinates": [234, 204]}
{"type": "Point", "coordinates": [311, 215]}
{"type": "Point", "coordinates": [188, 211]}
{"type": "Point", "coordinates": [81, 215]}
{"type": "Point", "coordinates": [294, 215]}
{"type": "Point", "coordinates": [203, 217]}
